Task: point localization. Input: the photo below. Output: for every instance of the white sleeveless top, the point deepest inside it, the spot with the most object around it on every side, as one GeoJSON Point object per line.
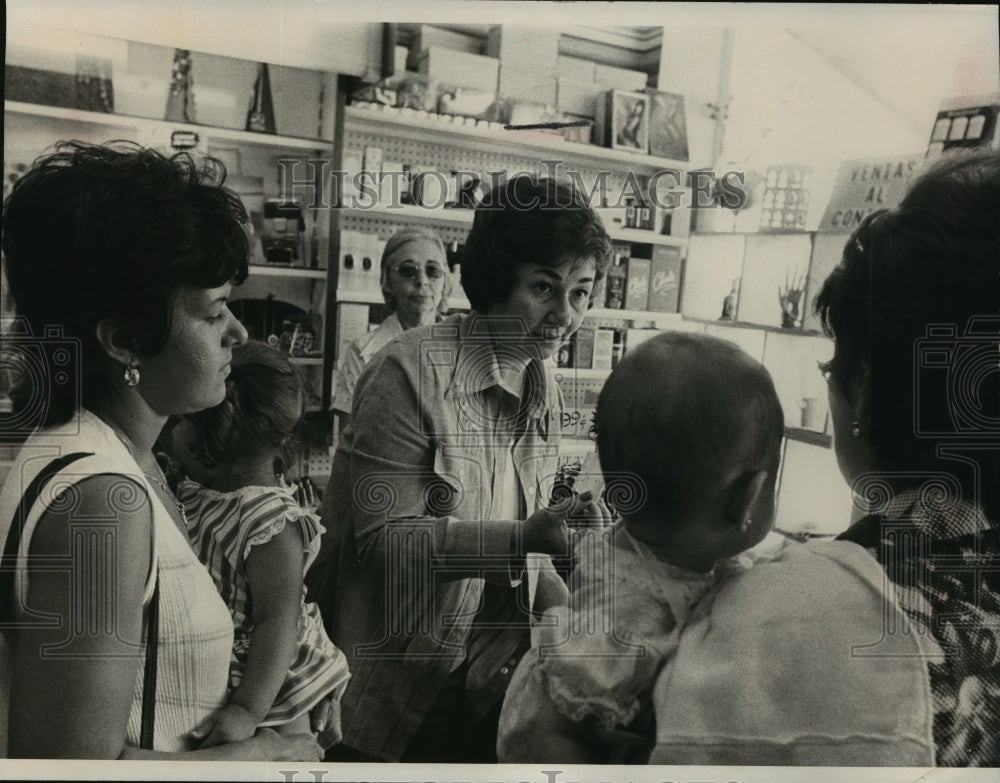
{"type": "Point", "coordinates": [196, 630]}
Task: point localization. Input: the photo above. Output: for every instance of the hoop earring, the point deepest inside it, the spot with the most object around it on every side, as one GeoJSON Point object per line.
{"type": "Point", "coordinates": [132, 374]}
{"type": "Point", "coordinates": [855, 429]}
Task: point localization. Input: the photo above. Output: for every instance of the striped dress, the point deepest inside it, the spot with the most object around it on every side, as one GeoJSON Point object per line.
{"type": "Point", "coordinates": [223, 527]}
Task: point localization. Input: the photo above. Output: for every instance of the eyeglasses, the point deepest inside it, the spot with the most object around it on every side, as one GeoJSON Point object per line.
{"type": "Point", "coordinates": [409, 270]}
{"type": "Point", "coordinates": [825, 369]}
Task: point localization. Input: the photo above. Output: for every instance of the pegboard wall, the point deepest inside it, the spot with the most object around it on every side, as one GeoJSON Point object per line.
{"type": "Point", "coordinates": [484, 157]}
{"type": "Point", "coordinates": [385, 225]}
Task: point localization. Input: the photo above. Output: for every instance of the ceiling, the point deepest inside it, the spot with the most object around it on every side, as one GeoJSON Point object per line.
{"type": "Point", "coordinates": [905, 56]}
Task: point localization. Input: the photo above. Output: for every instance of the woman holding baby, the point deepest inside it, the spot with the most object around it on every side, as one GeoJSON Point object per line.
{"type": "Point", "coordinates": [880, 648]}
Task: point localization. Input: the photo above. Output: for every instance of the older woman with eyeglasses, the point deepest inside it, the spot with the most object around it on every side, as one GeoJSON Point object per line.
{"type": "Point", "coordinates": [416, 286]}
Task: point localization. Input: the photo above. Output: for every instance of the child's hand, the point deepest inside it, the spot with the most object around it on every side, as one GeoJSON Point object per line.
{"type": "Point", "coordinates": [230, 724]}
{"type": "Point", "coordinates": [546, 531]}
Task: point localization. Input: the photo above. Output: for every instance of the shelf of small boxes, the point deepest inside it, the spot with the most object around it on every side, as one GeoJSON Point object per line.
{"type": "Point", "coordinates": [463, 217]}
{"type": "Point", "coordinates": [286, 271]}
{"type": "Point", "coordinates": [431, 127]}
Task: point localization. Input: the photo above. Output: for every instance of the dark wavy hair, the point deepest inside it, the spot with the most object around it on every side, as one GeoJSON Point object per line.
{"type": "Point", "coordinates": [933, 261]}
{"type": "Point", "coordinates": [678, 415]}
{"type": "Point", "coordinates": [114, 231]}
{"type": "Point", "coordinates": [264, 403]}
{"type": "Point", "coordinates": [528, 219]}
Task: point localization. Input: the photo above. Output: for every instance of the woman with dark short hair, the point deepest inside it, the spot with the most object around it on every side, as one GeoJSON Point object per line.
{"type": "Point", "coordinates": [883, 647]}
{"type": "Point", "coordinates": [441, 481]}
{"type": "Point", "coordinates": [121, 262]}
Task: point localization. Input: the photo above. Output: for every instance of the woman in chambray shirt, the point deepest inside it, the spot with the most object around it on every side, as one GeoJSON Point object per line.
{"type": "Point", "coordinates": [441, 480]}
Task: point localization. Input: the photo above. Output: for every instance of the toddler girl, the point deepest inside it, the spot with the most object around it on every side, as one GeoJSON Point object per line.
{"type": "Point", "coordinates": [689, 431]}
{"type": "Point", "coordinates": [257, 542]}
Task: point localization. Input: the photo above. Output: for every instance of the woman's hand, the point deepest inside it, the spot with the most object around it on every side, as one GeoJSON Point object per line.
{"type": "Point", "coordinates": [546, 531]}
{"type": "Point", "coordinates": [325, 719]}
{"type": "Point", "coordinates": [230, 724]}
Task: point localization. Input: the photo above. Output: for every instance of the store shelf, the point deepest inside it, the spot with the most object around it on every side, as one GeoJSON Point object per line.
{"type": "Point", "coordinates": [145, 125]}
{"type": "Point", "coordinates": [809, 436]}
{"type": "Point", "coordinates": [463, 217]}
{"type": "Point", "coordinates": [571, 447]}
{"type": "Point", "coordinates": [757, 327]}
{"type": "Point", "coordinates": [452, 217]}
{"type": "Point", "coordinates": [634, 315]}
{"type": "Point", "coordinates": [376, 297]}
{"type": "Point", "coordinates": [286, 271]}
{"type": "Point", "coordinates": [308, 361]}
{"type": "Point", "coordinates": [641, 237]}
{"type": "Point", "coordinates": [437, 129]}
{"type": "Point", "coordinates": [580, 373]}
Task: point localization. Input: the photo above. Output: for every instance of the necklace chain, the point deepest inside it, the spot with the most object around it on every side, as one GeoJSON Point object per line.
{"type": "Point", "coordinates": [165, 487]}
{"type": "Point", "coordinates": [161, 483]}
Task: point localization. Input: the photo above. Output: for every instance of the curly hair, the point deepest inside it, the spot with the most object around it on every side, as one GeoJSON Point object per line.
{"type": "Point", "coordinates": [262, 409]}
{"type": "Point", "coordinates": [92, 232]}
{"type": "Point", "coordinates": [526, 220]}
{"type": "Point", "coordinates": [931, 262]}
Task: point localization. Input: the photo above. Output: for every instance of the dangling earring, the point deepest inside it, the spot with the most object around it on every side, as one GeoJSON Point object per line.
{"type": "Point", "coordinates": [745, 525]}
{"type": "Point", "coordinates": [855, 429]}
{"type": "Point", "coordinates": [132, 373]}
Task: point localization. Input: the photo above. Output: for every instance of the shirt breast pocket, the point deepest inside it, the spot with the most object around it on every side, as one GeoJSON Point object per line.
{"type": "Point", "coordinates": [458, 487]}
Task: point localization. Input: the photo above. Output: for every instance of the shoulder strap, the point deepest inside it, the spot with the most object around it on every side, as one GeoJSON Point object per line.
{"type": "Point", "coordinates": [149, 675]}
{"type": "Point", "coordinates": [8, 567]}
{"type": "Point", "coordinates": [8, 564]}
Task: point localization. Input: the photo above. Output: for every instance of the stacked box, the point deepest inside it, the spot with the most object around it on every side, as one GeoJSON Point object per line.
{"type": "Point", "coordinates": [529, 57]}
{"type": "Point", "coordinates": [665, 279]}
{"type": "Point", "coordinates": [460, 69]}
{"type": "Point", "coordinates": [620, 78]}
{"type": "Point", "coordinates": [604, 340]}
{"type": "Point", "coordinates": [637, 285]}
{"type": "Point", "coordinates": [577, 96]}
{"type": "Point", "coordinates": [615, 286]}
{"type": "Point", "coordinates": [584, 355]}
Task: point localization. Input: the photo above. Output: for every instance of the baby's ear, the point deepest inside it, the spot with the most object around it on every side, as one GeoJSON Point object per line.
{"type": "Point", "coordinates": [741, 496]}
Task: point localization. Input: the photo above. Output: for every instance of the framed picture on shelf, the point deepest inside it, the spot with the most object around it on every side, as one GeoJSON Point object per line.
{"type": "Point", "coordinates": [667, 125]}
{"type": "Point", "coordinates": [623, 118]}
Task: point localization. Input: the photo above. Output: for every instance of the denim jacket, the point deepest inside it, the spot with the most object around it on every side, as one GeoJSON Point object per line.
{"type": "Point", "coordinates": [414, 504]}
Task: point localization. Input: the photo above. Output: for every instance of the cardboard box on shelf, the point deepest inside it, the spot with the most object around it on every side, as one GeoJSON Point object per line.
{"type": "Point", "coordinates": [665, 279]}
{"type": "Point", "coordinates": [637, 287]}
{"type": "Point", "coordinates": [604, 340]}
{"type": "Point", "coordinates": [524, 82]}
{"type": "Point", "coordinates": [620, 78]}
{"type": "Point", "coordinates": [460, 68]}
{"type": "Point", "coordinates": [584, 354]}
{"type": "Point", "coordinates": [297, 95]}
{"type": "Point", "coordinates": [577, 96]}
{"type": "Point", "coordinates": [532, 47]}
{"type": "Point", "coordinates": [576, 68]}
{"type": "Point", "coordinates": [429, 35]}
{"type": "Point", "coordinates": [615, 285]}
